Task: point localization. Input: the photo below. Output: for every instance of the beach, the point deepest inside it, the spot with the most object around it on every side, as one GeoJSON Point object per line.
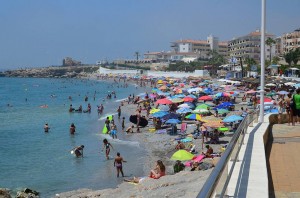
{"type": "Point", "coordinates": [158, 147]}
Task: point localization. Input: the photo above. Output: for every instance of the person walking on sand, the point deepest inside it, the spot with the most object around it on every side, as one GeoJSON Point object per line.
{"type": "Point", "coordinates": [107, 146]}
{"type": "Point", "coordinates": [72, 129]}
{"type": "Point", "coordinates": [46, 128]}
{"type": "Point", "coordinates": [118, 164]}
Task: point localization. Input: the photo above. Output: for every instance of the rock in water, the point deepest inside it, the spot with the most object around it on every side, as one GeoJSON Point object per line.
{"type": "Point", "coordinates": [4, 193]}
{"type": "Point", "coordinates": [27, 193]}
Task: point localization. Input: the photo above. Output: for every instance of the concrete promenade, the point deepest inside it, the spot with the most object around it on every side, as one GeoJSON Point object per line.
{"type": "Point", "coordinates": [284, 161]}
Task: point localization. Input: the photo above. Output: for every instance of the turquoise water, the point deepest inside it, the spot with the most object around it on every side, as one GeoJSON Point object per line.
{"type": "Point", "coordinates": [42, 161]}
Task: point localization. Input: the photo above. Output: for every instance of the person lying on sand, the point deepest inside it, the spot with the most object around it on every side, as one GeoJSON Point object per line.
{"type": "Point", "coordinates": [135, 179]}
{"type": "Point", "coordinates": [180, 145]}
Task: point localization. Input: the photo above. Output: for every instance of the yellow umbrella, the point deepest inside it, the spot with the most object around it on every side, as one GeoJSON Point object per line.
{"type": "Point", "coordinates": [182, 155]}
{"type": "Point", "coordinates": [154, 110]}
{"type": "Point", "coordinates": [160, 82]}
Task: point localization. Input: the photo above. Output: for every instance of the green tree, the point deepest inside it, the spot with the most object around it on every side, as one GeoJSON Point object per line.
{"type": "Point", "coordinates": [288, 58]}
{"type": "Point", "coordinates": [275, 60]}
{"type": "Point", "coordinates": [269, 42]}
{"type": "Point", "coordinates": [295, 56]}
{"type": "Point", "coordinates": [249, 62]}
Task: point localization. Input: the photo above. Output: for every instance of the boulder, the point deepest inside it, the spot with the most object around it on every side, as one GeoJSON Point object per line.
{"type": "Point", "coordinates": [4, 193]}
{"type": "Point", "coordinates": [27, 193]}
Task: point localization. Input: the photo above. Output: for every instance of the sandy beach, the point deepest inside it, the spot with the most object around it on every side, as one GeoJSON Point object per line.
{"type": "Point", "coordinates": [158, 147]}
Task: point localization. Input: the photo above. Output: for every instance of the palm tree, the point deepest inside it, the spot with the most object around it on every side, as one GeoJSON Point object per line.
{"type": "Point", "coordinates": [296, 56]}
{"type": "Point", "coordinates": [288, 57]}
{"type": "Point", "coordinates": [275, 60]}
{"type": "Point", "coordinates": [270, 42]}
{"type": "Point", "coordinates": [137, 55]}
{"type": "Point", "coordinates": [249, 62]}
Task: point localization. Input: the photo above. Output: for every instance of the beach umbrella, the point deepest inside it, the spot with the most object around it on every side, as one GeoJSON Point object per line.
{"type": "Point", "coordinates": [179, 96]}
{"type": "Point", "coordinates": [222, 111]}
{"type": "Point", "coordinates": [227, 104]}
{"type": "Point", "coordinates": [213, 124]}
{"type": "Point", "coordinates": [163, 87]}
{"type": "Point", "coordinates": [159, 114]}
{"type": "Point", "coordinates": [152, 96]}
{"type": "Point", "coordinates": [182, 155]}
{"type": "Point", "coordinates": [190, 104]}
{"type": "Point", "coordinates": [251, 91]}
{"type": "Point", "coordinates": [164, 107]}
{"type": "Point", "coordinates": [154, 110]}
{"type": "Point", "coordinates": [205, 98]}
{"type": "Point", "coordinates": [173, 121]}
{"type": "Point", "coordinates": [283, 92]}
{"type": "Point", "coordinates": [188, 99]}
{"type": "Point", "coordinates": [183, 110]}
{"type": "Point", "coordinates": [201, 111]}
{"type": "Point", "coordinates": [266, 100]}
{"type": "Point", "coordinates": [160, 82]}
{"type": "Point", "coordinates": [193, 117]}
{"type": "Point", "coordinates": [184, 105]}
{"type": "Point", "coordinates": [290, 83]}
{"type": "Point", "coordinates": [192, 96]}
{"type": "Point", "coordinates": [233, 118]}
{"type": "Point", "coordinates": [297, 85]}
{"type": "Point", "coordinates": [210, 119]}
{"type": "Point", "coordinates": [271, 94]}
{"type": "Point", "coordinates": [234, 113]}
{"type": "Point", "coordinates": [164, 101]}
{"type": "Point", "coordinates": [223, 129]}
{"type": "Point", "coordinates": [170, 116]}
{"type": "Point", "coordinates": [177, 100]}
{"type": "Point", "coordinates": [270, 85]}
{"type": "Point", "coordinates": [202, 106]}
{"type": "Point", "coordinates": [207, 90]}
{"type": "Point", "coordinates": [222, 94]}
{"type": "Point", "coordinates": [197, 89]}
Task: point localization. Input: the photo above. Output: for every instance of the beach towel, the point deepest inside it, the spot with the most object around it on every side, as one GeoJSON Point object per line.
{"type": "Point", "coordinates": [161, 131]}
{"type": "Point", "coordinates": [198, 159]}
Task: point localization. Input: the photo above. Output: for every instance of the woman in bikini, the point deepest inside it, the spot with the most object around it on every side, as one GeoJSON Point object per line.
{"type": "Point", "coordinates": [118, 164]}
{"type": "Point", "coordinates": [107, 146]}
{"type": "Point", "coordinates": [158, 171]}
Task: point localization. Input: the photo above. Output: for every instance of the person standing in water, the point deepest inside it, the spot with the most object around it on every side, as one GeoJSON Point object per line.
{"type": "Point", "coordinates": [123, 123]}
{"type": "Point", "coordinates": [113, 131]}
{"type": "Point", "coordinates": [46, 128]}
{"type": "Point", "coordinates": [78, 151]}
{"type": "Point", "coordinates": [107, 146]}
{"type": "Point", "coordinates": [118, 164]}
{"type": "Point", "coordinates": [119, 112]}
{"type": "Point", "coordinates": [72, 129]}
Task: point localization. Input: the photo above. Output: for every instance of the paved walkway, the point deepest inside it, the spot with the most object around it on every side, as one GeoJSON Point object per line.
{"type": "Point", "coordinates": [284, 161]}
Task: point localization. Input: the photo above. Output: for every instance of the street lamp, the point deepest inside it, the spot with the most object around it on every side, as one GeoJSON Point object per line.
{"type": "Point", "coordinates": [262, 59]}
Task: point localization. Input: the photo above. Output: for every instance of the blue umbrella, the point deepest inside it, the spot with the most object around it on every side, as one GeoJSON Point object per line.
{"type": "Point", "coordinates": [159, 114]}
{"type": "Point", "coordinates": [297, 85]}
{"type": "Point", "coordinates": [184, 110]}
{"type": "Point", "coordinates": [190, 104]}
{"type": "Point", "coordinates": [179, 96]}
{"type": "Point", "coordinates": [164, 107]}
{"type": "Point", "coordinates": [192, 96]}
{"type": "Point", "coordinates": [233, 118]}
{"type": "Point", "coordinates": [170, 116]}
{"type": "Point", "coordinates": [227, 104]}
{"type": "Point", "coordinates": [173, 121]}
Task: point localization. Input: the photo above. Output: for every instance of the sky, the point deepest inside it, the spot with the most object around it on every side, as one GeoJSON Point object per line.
{"type": "Point", "coordinates": [38, 33]}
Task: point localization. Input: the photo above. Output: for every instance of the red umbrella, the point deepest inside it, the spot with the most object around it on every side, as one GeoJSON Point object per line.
{"type": "Point", "coordinates": [188, 99]}
{"type": "Point", "coordinates": [266, 100]}
{"type": "Point", "coordinates": [205, 98]}
{"type": "Point", "coordinates": [164, 101]}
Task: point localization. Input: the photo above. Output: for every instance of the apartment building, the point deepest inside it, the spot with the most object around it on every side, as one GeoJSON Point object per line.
{"type": "Point", "coordinates": [290, 41]}
{"type": "Point", "coordinates": [249, 46]}
{"type": "Point", "coordinates": [200, 48]}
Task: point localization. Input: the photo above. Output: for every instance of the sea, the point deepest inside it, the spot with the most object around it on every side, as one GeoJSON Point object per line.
{"type": "Point", "coordinates": [31, 158]}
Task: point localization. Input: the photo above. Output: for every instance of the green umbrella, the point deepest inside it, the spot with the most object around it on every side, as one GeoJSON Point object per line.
{"type": "Point", "coordinates": [182, 155]}
{"type": "Point", "coordinates": [202, 106]}
{"type": "Point", "coordinates": [223, 129]}
{"type": "Point", "coordinates": [271, 94]}
{"type": "Point", "coordinates": [222, 111]}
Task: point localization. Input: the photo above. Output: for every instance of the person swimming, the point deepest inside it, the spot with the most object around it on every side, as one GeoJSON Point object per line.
{"type": "Point", "coordinates": [78, 151]}
{"type": "Point", "coordinates": [46, 128]}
